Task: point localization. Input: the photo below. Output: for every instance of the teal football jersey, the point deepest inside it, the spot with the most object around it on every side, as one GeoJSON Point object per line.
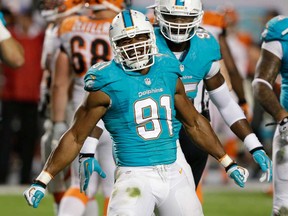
{"type": "Point", "coordinates": [142, 114]}
{"type": "Point", "coordinates": [197, 61]}
{"type": "Point", "coordinates": [277, 30]}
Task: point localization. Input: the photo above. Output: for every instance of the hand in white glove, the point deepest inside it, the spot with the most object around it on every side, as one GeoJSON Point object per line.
{"type": "Point", "coordinates": [238, 174]}
{"type": "Point", "coordinates": [34, 194]}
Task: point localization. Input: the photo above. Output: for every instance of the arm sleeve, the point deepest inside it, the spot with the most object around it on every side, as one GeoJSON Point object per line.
{"type": "Point", "coordinates": [227, 106]}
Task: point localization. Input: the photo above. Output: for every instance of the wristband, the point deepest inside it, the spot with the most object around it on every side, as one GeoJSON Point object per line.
{"type": "Point", "coordinates": [39, 183]}
{"type": "Point", "coordinates": [4, 33]}
{"type": "Point", "coordinates": [225, 161]}
{"type": "Point", "coordinates": [283, 121]}
{"type": "Point", "coordinates": [251, 142]}
{"type": "Point", "coordinates": [44, 177]}
{"type": "Point", "coordinates": [265, 82]}
{"type": "Point", "coordinates": [89, 146]}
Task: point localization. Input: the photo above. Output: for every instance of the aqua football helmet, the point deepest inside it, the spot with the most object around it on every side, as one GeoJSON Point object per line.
{"type": "Point", "coordinates": [137, 55]}
{"type": "Point", "coordinates": [178, 19]}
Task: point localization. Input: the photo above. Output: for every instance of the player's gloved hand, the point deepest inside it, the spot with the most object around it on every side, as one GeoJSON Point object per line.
{"type": "Point", "coordinates": [88, 164]}
{"type": "Point", "coordinates": [59, 128]}
{"type": "Point", "coordinates": [283, 129]}
{"type": "Point", "coordinates": [238, 174]}
{"type": "Point", "coordinates": [34, 194]}
{"type": "Point", "coordinates": [265, 164]}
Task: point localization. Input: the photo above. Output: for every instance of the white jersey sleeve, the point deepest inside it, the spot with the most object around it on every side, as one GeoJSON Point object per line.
{"type": "Point", "coordinates": [215, 68]}
{"type": "Point", "coordinates": [273, 47]}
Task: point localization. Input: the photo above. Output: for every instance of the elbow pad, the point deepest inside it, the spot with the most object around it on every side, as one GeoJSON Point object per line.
{"type": "Point", "coordinates": [227, 106]}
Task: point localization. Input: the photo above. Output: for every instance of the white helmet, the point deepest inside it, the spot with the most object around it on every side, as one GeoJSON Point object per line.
{"type": "Point", "coordinates": [128, 24]}
{"type": "Point", "coordinates": [175, 31]}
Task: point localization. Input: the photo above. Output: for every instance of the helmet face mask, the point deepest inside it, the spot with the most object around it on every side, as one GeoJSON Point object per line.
{"type": "Point", "coordinates": [135, 55]}
{"type": "Point", "coordinates": [179, 20]}
{"type": "Point", "coordinates": [133, 40]}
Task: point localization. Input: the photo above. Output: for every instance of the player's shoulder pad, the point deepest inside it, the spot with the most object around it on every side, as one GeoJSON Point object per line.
{"type": "Point", "coordinates": [99, 75]}
{"type": "Point", "coordinates": [207, 43]}
{"type": "Point", "coordinates": [161, 42]}
{"type": "Point", "coordinates": [276, 29]}
{"type": "Point", "coordinates": [204, 35]}
{"type": "Point", "coordinates": [67, 24]}
{"type": "Point", "coordinates": [157, 30]}
{"type": "Point", "coordinates": [168, 64]}
{"type": "Point", "coordinates": [159, 37]}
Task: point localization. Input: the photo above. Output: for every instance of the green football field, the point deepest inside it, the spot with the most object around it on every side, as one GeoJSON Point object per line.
{"type": "Point", "coordinates": [216, 203]}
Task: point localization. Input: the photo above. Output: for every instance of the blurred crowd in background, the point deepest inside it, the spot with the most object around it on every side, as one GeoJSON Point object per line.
{"type": "Point", "coordinates": [20, 88]}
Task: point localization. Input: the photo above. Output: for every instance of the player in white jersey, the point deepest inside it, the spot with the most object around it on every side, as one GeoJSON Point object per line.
{"type": "Point", "coordinates": [53, 11]}
{"type": "Point", "coordinates": [273, 61]}
{"type": "Point", "coordinates": [84, 42]}
{"type": "Point", "coordinates": [138, 99]}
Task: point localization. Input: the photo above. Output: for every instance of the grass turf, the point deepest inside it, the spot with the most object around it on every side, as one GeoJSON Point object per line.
{"type": "Point", "coordinates": [237, 203]}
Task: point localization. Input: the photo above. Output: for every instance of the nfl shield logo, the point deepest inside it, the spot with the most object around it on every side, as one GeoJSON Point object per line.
{"type": "Point", "coordinates": [147, 81]}
{"type": "Point", "coordinates": [181, 67]}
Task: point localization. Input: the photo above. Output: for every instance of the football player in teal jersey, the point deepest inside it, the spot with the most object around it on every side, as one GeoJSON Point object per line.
{"type": "Point", "coordinates": [273, 61]}
{"type": "Point", "coordinates": [11, 51]}
{"type": "Point", "coordinates": [139, 96]}
{"type": "Point", "coordinates": [198, 53]}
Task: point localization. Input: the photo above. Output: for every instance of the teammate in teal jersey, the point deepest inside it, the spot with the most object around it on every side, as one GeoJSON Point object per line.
{"type": "Point", "coordinates": [273, 61]}
{"type": "Point", "coordinates": [198, 53]}
{"type": "Point", "coordinates": [138, 95]}
{"type": "Point", "coordinates": [11, 51]}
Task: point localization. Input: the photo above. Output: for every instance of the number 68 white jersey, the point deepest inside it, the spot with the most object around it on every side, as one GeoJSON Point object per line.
{"type": "Point", "coordinates": [86, 42]}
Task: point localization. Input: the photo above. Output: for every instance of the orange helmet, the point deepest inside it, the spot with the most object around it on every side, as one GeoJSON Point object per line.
{"type": "Point", "coordinates": [214, 18]}
{"type": "Point", "coordinates": [115, 5]}
{"type": "Point", "coordinates": [231, 15]}
{"type": "Point", "coordinates": [53, 9]}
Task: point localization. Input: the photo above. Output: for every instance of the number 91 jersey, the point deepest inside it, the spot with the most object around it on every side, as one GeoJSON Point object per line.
{"type": "Point", "coordinates": [141, 116]}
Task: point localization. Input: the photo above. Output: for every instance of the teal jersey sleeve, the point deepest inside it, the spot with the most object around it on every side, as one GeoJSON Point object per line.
{"type": "Point", "coordinates": [101, 75]}
{"type": "Point", "coordinates": [276, 29]}
{"type": "Point", "coordinates": [98, 76]}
